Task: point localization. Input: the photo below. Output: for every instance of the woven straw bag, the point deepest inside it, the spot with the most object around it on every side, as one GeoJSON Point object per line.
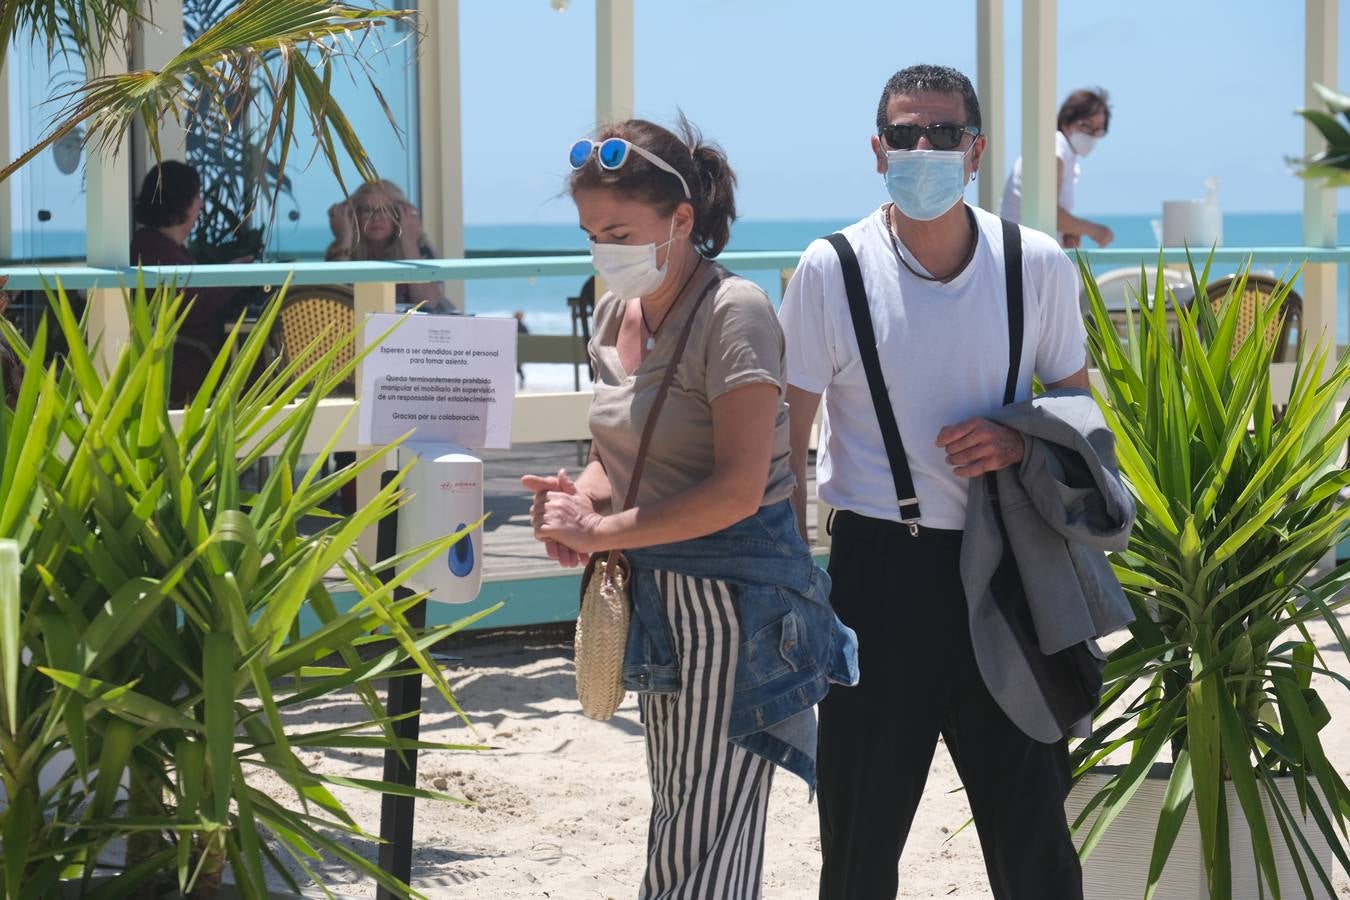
{"type": "Point", "coordinates": [606, 585]}
{"type": "Point", "coordinates": [602, 634]}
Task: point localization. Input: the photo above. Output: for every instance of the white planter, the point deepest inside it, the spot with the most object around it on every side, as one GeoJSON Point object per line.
{"type": "Point", "coordinates": [1118, 867]}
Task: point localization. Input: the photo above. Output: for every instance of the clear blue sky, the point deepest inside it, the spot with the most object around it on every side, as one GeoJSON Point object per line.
{"type": "Point", "coordinates": [789, 88]}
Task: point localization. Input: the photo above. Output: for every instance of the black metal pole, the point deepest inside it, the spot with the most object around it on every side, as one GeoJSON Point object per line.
{"type": "Point", "coordinates": [405, 696]}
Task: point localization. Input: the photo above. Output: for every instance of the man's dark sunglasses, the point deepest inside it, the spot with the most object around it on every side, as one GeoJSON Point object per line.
{"type": "Point", "coordinates": [942, 136]}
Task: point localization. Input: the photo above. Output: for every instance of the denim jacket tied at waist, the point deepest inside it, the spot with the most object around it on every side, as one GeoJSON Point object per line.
{"type": "Point", "coordinates": [792, 644]}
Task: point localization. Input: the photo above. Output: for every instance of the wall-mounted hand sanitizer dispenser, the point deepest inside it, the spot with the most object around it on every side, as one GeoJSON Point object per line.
{"type": "Point", "coordinates": [447, 495]}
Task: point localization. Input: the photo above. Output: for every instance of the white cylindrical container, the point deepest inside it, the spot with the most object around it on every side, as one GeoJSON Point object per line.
{"type": "Point", "coordinates": [1197, 224]}
{"type": "Point", "coordinates": [446, 486]}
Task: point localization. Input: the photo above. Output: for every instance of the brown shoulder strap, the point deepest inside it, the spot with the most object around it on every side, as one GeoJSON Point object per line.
{"type": "Point", "coordinates": [650, 426]}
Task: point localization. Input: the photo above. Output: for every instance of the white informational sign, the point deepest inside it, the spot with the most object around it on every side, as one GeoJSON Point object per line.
{"type": "Point", "coordinates": [452, 378]}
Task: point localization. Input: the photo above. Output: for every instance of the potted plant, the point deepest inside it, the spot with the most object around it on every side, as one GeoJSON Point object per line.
{"type": "Point", "coordinates": [150, 638]}
{"type": "Point", "coordinates": [1210, 701]}
{"type": "Point", "coordinates": [1331, 165]}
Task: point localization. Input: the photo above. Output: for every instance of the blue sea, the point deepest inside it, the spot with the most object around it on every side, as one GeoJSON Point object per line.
{"type": "Point", "coordinates": [543, 300]}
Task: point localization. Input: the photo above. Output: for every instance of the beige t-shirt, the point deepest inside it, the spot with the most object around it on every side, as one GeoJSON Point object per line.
{"type": "Point", "coordinates": [736, 340]}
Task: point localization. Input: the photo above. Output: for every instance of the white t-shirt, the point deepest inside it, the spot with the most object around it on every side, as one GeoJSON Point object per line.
{"type": "Point", "coordinates": [943, 350]}
{"type": "Point", "coordinates": [1012, 190]}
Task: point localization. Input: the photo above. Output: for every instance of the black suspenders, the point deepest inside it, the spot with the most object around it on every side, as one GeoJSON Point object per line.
{"type": "Point", "coordinates": [906, 498]}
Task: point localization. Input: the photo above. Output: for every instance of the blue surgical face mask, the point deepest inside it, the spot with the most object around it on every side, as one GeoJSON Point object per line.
{"type": "Point", "coordinates": [925, 183]}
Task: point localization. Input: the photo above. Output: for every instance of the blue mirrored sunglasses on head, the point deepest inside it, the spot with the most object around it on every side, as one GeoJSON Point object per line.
{"type": "Point", "coordinates": [612, 153]}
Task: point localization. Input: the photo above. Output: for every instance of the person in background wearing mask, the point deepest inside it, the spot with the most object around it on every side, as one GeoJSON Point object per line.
{"type": "Point", "coordinates": [934, 296]}
{"type": "Point", "coordinates": [720, 574]}
{"type": "Point", "coordinates": [1083, 120]}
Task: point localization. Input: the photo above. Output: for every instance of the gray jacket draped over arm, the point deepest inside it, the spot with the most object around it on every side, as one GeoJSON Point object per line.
{"type": "Point", "coordinates": [1063, 507]}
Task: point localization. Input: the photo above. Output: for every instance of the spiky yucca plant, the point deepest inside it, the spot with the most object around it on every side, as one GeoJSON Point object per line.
{"type": "Point", "coordinates": [1236, 506]}
{"type": "Point", "coordinates": [150, 640]}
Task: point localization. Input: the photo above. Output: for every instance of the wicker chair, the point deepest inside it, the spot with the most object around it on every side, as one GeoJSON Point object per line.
{"type": "Point", "coordinates": [324, 313]}
{"type": "Point", "coordinates": [305, 314]}
{"type": "Point", "coordinates": [1285, 333]}
{"type": "Point", "coordinates": [1120, 290]}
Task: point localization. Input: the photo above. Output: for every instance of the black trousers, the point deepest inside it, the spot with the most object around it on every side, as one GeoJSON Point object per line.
{"type": "Point", "coordinates": [903, 597]}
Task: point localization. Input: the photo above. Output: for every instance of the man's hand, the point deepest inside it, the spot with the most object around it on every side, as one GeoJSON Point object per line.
{"type": "Point", "coordinates": [977, 445]}
{"type": "Point", "coordinates": [1102, 235]}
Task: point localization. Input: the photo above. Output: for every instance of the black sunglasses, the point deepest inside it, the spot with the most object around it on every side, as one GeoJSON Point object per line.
{"type": "Point", "coordinates": [942, 136]}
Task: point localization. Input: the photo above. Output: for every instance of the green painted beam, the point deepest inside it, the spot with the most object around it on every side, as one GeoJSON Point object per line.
{"type": "Point", "coordinates": [29, 278]}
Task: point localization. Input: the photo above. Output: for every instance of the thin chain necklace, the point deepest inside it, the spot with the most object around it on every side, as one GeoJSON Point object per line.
{"type": "Point", "coordinates": [651, 332]}
{"type": "Point", "coordinates": [970, 252]}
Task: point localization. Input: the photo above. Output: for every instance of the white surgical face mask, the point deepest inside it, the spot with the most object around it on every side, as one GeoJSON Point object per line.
{"type": "Point", "coordinates": [1082, 143]}
{"type": "Point", "coordinates": [630, 270]}
{"type": "Point", "coordinates": [925, 183]}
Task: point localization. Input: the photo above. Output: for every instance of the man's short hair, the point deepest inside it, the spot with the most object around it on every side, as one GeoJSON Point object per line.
{"type": "Point", "coordinates": [926, 79]}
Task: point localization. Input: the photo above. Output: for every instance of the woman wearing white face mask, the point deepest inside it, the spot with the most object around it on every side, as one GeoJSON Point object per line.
{"type": "Point", "coordinates": [733, 640]}
{"type": "Point", "coordinates": [1083, 120]}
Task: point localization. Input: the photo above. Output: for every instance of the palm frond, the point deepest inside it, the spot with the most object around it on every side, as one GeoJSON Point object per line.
{"type": "Point", "coordinates": [291, 46]}
{"type": "Point", "coordinates": [85, 28]}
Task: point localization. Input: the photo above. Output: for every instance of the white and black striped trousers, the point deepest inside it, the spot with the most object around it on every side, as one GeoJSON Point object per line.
{"type": "Point", "coordinates": [709, 796]}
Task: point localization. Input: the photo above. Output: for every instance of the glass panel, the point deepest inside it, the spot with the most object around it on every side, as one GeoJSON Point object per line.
{"type": "Point", "coordinates": [47, 196]}
{"type": "Point", "coordinates": [388, 58]}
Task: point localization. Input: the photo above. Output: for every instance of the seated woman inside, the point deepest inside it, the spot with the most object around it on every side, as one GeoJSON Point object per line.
{"type": "Point", "coordinates": [378, 223]}
{"type": "Point", "coordinates": [166, 209]}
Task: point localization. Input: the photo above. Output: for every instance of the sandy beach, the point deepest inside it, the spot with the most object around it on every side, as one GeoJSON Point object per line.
{"type": "Point", "coordinates": [559, 803]}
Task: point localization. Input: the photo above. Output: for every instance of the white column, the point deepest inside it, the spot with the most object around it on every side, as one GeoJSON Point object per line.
{"type": "Point", "coordinates": [1039, 34]}
{"type": "Point", "coordinates": [153, 43]}
{"type": "Point", "coordinates": [1319, 202]}
{"type": "Point", "coordinates": [990, 74]}
{"type": "Point", "coordinates": [370, 298]}
{"type": "Point", "coordinates": [108, 232]}
{"type": "Point", "coordinates": [441, 158]}
{"type": "Point", "coordinates": [614, 80]}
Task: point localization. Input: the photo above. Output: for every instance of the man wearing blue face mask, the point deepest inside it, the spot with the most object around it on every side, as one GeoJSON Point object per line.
{"type": "Point", "coordinates": [907, 322]}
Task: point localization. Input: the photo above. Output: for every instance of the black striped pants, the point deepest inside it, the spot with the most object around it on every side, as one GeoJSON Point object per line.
{"type": "Point", "coordinates": [709, 796]}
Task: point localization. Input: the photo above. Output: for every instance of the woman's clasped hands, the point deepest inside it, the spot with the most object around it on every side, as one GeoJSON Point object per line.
{"type": "Point", "coordinates": [564, 518]}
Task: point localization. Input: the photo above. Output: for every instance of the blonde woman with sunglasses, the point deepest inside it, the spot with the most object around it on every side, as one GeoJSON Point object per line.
{"type": "Point", "coordinates": [378, 222]}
